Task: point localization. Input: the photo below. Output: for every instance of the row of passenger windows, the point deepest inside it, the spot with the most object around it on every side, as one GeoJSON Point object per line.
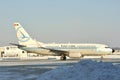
{"type": "Point", "coordinates": [72, 47]}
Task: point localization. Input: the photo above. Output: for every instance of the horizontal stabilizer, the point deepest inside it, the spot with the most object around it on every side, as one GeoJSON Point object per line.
{"type": "Point", "coordinates": [17, 45]}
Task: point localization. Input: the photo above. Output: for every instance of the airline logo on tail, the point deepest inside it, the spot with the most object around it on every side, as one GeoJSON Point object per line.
{"type": "Point", "coordinates": [21, 33]}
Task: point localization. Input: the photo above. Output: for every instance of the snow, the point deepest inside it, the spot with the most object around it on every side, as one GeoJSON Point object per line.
{"type": "Point", "coordinates": [84, 70]}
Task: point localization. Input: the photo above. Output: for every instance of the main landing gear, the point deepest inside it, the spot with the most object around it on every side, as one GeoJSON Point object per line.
{"type": "Point", "coordinates": [63, 57]}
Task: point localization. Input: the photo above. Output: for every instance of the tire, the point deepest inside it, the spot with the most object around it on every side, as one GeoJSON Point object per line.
{"type": "Point", "coordinates": [63, 57]}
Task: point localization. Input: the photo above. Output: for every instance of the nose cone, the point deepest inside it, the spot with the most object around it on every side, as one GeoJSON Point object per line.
{"type": "Point", "coordinates": [113, 50]}
{"type": "Point", "coordinates": [106, 50]}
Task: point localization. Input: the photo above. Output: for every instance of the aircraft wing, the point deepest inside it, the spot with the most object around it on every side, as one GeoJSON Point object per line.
{"type": "Point", "coordinates": [52, 50]}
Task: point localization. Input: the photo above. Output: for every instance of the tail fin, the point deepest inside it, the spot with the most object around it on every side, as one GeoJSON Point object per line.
{"type": "Point", "coordinates": [23, 37]}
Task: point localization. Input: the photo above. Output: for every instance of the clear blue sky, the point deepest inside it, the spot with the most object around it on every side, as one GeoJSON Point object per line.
{"type": "Point", "coordinates": [75, 21]}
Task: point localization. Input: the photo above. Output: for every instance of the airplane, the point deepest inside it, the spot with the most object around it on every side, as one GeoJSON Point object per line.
{"type": "Point", "coordinates": [64, 50]}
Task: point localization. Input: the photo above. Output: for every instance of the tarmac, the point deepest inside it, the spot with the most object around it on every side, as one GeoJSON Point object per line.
{"type": "Point", "coordinates": [15, 61]}
{"type": "Point", "coordinates": [37, 62]}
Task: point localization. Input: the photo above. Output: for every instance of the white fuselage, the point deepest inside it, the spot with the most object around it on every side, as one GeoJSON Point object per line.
{"type": "Point", "coordinates": [73, 50]}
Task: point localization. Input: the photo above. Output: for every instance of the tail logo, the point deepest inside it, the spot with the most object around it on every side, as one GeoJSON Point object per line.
{"type": "Point", "coordinates": [21, 36]}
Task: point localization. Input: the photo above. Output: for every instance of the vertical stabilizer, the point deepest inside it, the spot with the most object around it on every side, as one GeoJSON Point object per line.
{"type": "Point", "coordinates": [23, 37]}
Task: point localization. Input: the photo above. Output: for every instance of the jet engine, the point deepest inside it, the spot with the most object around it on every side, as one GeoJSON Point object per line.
{"type": "Point", "coordinates": [75, 55]}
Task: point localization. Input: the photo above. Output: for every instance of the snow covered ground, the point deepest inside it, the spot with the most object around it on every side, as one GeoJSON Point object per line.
{"type": "Point", "coordinates": [84, 70]}
{"type": "Point", "coordinates": [60, 70]}
{"type": "Point", "coordinates": [29, 69]}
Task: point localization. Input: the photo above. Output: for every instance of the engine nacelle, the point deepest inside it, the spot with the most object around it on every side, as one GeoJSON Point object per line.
{"type": "Point", "coordinates": [75, 55]}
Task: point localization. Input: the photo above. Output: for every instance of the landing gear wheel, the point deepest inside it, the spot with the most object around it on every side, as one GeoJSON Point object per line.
{"type": "Point", "coordinates": [63, 57]}
{"type": "Point", "coordinates": [101, 58]}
